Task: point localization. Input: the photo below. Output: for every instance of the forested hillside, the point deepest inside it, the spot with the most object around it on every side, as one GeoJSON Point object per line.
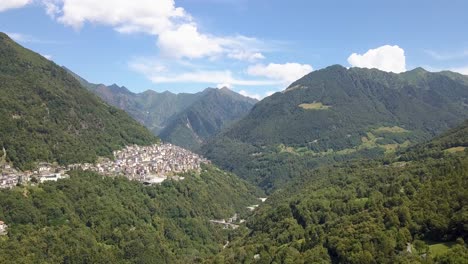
{"type": "Point", "coordinates": [94, 219]}
{"type": "Point", "coordinates": [336, 114]}
{"type": "Point", "coordinates": [46, 115]}
{"type": "Point", "coordinates": [408, 209]}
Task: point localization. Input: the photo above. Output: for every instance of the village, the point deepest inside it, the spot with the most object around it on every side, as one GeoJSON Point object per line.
{"type": "Point", "coordinates": [147, 164]}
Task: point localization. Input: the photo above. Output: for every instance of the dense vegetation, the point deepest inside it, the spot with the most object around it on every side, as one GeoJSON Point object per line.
{"type": "Point", "coordinates": [93, 219]}
{"type": "Point", "coordinates": [46, 115]}
{"type": "Point", "coordinates": [368, 211]}
{"type": "Point", "coordinates": [186, 120]}
{"type": "Point", "coordinates": [336, 113]}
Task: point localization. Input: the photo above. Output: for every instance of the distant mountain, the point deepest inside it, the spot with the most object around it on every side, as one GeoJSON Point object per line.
{"type": "Point", "coordinates": [214, 110]}
{"type": "Point", "coordinates": [46, 115]}
{"type": "Point", "coordinates": [335, 113]}
{"type": "Point", "coordinates": [183, 119]}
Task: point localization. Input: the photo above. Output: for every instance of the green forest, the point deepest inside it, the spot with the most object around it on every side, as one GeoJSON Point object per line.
{"type": "Point", "coordinates": [90, 218]}
{"type": "Point", "coordinates": [403, 209]}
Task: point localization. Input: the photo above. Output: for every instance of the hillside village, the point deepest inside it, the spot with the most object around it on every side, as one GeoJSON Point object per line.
{"type": "Point", "coordinates": [147, 164]}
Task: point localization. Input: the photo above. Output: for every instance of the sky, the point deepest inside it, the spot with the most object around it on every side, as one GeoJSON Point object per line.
{"type": "Point", "coordinates": [255, 47]}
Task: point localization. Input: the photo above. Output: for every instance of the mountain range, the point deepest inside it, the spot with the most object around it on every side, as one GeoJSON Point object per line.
{"type": "Point", "coordinates": [186, 120]}
{"type": "Point", "coordinates": [338, 113]}
{"type": "Point", "coordinates": [360, 166]}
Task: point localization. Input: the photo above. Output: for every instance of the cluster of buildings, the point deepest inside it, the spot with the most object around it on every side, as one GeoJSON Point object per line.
{"type": "Point", "coordinates": [148, 164]}
{"type": "Point", "coordinates": [10, 177]}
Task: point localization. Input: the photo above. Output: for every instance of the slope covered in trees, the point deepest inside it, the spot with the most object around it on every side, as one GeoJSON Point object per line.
{"type": "Point", "coordinates": [94, 219]}
{"type": "Point", "coordinates": [335, 114]}
{"type": "Point", "coordinates": [393, 210]}
{"type": "Point", "coordinates": [46, 115]}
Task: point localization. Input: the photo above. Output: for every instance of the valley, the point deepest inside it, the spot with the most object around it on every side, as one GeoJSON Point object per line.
{"type": "Point", "coordinates": [360, 163]}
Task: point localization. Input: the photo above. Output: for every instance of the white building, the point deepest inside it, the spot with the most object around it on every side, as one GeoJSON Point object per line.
{"type": "Point", "coordinates": [3, 228]}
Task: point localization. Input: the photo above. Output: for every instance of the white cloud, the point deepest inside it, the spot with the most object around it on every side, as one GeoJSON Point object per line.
{"type": "Point", "coordinates": [148, 16]}
{"type": "Point", "coordinates": [11, 4]}
{"type": "Point", "coordinates": [247, 56]}
{"type": "Point", "coordinates": [255, 95]}
{"type": "Point", "coordinates": [182, 73]}
{"type": "Point", "coordinates": [212, 77]}
{"type": "Point", "coordinates": [178, 36]}
{"type": "Point", "coordinates": [251, 95]}
{"type": "Point", "coordinates": [284, 73]}
{"type": "Point", "coordinates": [386, 58]}
{"type": "Point", "coordinates": [186, 41]}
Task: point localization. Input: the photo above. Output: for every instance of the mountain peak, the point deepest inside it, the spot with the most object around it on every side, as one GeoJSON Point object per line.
{"type": "Point", "coordinates": [418, 70]}
{"type": "Point", "coordinates": [120, 89]}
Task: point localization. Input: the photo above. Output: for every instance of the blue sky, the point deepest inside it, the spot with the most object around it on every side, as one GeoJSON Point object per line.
{"type": "Point", "coordinates": [253, 46]}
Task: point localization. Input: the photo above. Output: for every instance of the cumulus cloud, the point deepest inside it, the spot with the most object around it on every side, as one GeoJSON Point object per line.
{"type": "Point", "coordinates": [284, 73]}
{"type": "Point", "coordinates": [148, 16]}
{"type": "Point", "coordinates": [11, 4]}
{"type": "Point", "coordinates": [186, 41]}
{"type": "Point", "coordinates": [177, 34]}
{"type": "Point", "coordinates": [386, 58]}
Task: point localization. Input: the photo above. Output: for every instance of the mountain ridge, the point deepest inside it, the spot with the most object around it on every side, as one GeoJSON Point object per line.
{"type": "Point", "coordinates": [184, 119]}
{"type": "Point", "coordinates": [335, 113]}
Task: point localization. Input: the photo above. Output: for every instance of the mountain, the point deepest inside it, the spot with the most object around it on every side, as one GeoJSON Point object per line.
{"type": "Point", "coordinates": [205, 117]}
{"type": "Point", "coordinates": [183, 119]}
{"type": "Point", "coordinates": [408, 209]}
{"type": "Point", "coordinates": [46, 115]}
{"type": "Point", "coordinates": [93, 219]}
{"type": "Point", "coordinates": [337, 113]}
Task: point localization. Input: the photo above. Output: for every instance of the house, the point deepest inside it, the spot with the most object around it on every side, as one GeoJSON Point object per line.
{"type": "Point", "coordinates": [3, 228]}
{"type": "Point", "coordinates": [50, 177]}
